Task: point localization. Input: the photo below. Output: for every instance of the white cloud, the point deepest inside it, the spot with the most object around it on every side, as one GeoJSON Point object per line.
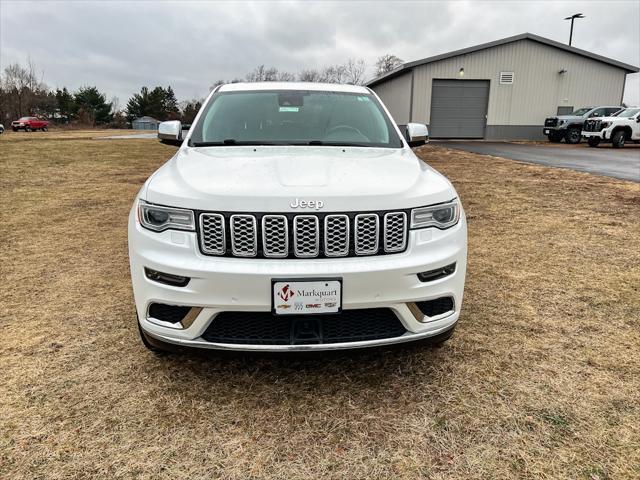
{"type": "Point", "coordinates": [120, 46]}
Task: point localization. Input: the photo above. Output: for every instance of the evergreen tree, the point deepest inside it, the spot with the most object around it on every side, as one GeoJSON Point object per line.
{"type": "Point", "coordinates": [139, 105]}
{"type": "Point", "coordinates": [92, 106]}
{"type": "Point", "coordinates": [172, 112]}
{"type": "Point", "coordinates": [66, 103]}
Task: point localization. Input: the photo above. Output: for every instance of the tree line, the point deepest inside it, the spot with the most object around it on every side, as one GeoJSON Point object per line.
{"type": "Point", "coordinates": [24, 93]}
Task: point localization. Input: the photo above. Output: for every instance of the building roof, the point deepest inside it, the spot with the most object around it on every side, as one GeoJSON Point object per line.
{"type": "Point", "coordinates": [323, 87]}
{"type": "Point", "coordinates": [146, 119]}
{"type": "Point", "coordinates": [503, 41]}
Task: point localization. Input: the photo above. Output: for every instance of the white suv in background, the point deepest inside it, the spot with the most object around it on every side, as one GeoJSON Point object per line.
{"type": "Point", "coordinates": [296, 217]}
{"type": "Point", "coordinates": [622, 127]}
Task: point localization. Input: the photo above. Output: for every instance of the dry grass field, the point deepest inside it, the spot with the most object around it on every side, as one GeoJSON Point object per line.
{"type": "Point", "coordinates": [540, 381]}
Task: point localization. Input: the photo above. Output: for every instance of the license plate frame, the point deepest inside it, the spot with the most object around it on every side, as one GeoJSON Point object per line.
{"type": "Point", "coordinates": [293, 306]}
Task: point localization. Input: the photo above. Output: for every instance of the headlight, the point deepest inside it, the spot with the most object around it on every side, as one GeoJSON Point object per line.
{"type": "Point", "coordinates": [159, 218]}
{"type": "Point", "coordinates": [605, 124]}
{"type": "Point", "coordinates": [443, 215]}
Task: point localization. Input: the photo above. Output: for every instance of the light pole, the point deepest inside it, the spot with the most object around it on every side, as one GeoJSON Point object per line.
{"type": "Point", "coordinates": [572, 18]}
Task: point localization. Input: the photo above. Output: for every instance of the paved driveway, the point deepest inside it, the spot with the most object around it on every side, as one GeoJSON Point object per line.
{"type": "Point", "coordinates": [621, 163]}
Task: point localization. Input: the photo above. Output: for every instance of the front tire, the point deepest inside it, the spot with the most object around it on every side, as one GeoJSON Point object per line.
{"type": "Point", "coordinates": [44, 129]}
{"type": "Point", "coordinates": [593, 141]}
{"type": "Point", "coordinates": [573, 136]}
{"type": "Point", "coordinates": [15, 129]}
{"type": "Point", "coordinates": [618, 139]}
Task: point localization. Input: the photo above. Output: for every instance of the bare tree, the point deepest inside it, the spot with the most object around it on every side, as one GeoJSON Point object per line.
{"type": "Point", "coordinates": [309, 75]}
{"type": "Point", "coordinates": [263, 74]}
{"type": "Point", "coordinates": [386, 63]}
{"type": "Point", "coordinates": [23, 93]}
{"type": "Point", "coordinates": [333, 74]}
{"type": "Point", "coordinates": [354, 71]}
{"type": "Point", "coordinates": [286, 77]}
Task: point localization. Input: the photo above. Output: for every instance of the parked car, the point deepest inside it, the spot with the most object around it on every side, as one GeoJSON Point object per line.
{"type": "Point", "coordinates": [619, 128]}
{"type": "Point", "coordinates": [29, 124]}
{"type": "Point", "coordinates": [295, 216]}
{"type": "Point", "coordinates": [1, 128]}
{"type": "Point", "coordinates": [569, 126]}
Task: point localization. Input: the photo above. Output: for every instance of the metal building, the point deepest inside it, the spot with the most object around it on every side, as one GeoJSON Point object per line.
{"type": "Point", "coordinates": [502, 89]}
{"type": "Point", "coordinates": [145, 123]}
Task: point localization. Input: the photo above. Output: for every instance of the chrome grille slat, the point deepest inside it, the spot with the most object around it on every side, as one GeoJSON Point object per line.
{"type": "Point", "coordinates": [328, 235]}
{"type": "Point", "coordinates": [395, 231]}
{"type": "Point", "coordinates": [244, 237]}
{"type": "Point", "coordinates": [275, 236]}
{"type": "Point", "coordinates": [212, 238]}
{"type": "Point", "coordinates": [336, 235]}
{"type": "Point", "coordinates": [367, 230]}
{"type": "Point", "coordinates": [306, 236]}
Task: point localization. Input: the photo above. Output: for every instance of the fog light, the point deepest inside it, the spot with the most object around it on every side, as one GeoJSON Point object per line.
{"type": "Point", "coordinates": [166, 278]}
{"type": "Point", "coordinates": [436, 274]}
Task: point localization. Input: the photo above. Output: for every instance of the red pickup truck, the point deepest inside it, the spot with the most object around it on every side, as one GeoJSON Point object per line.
{"type": "Point", "coordinates": [29, 123]}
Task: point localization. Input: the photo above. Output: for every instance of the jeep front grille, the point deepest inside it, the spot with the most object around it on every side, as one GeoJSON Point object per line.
{"type": "Point", "coordinates": [303, 236]}
{"type": "Point", "coordinates": [551, 122]}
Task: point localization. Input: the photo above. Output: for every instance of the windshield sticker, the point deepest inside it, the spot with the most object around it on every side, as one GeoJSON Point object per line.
{"type": "Point", "coordinates": [289, 109]}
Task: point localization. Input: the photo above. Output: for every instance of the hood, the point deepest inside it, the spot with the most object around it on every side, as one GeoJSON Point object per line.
{"type": "Point", "coordinates": [612, 119]}
{"type": "Point", "coordinates": [568, 117]}
{"type": "Point", "coordinates": [273, 178]}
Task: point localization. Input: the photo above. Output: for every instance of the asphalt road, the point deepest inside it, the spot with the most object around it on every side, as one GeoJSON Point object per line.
{"type": "Point", "coordinates": [621, 163]}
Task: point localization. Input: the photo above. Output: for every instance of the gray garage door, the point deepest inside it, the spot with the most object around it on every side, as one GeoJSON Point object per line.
{"type": "Point", "coordinates": [459, 108]}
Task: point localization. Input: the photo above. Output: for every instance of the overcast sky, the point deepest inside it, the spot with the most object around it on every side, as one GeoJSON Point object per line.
{"type": "Point", "coordinates": [120, 46]}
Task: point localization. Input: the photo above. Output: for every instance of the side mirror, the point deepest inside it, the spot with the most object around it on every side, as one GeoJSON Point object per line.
{"type": "Point", "coordinates": [417, 134]}
{"type": "Point", "coordinates": [170, 132]}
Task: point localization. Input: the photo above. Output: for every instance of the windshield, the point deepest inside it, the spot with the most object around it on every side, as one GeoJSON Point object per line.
{"type": "Point", "coordinates": [294, 117]}
{"type": "Point", "coordinates": [580, 112]}
{"type": "Point", "coordinates": [629, 112]}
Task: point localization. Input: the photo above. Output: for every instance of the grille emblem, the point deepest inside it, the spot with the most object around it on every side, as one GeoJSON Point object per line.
{"type": "Point", "coordinates": [297, 203]}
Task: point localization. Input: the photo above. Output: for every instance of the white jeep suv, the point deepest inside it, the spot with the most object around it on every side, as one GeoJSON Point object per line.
{"type": "Point", "coordinates": [296, 217]}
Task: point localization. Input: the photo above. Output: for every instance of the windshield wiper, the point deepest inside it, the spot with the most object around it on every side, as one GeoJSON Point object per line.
{"type": "Point", "coordinates": [231, 141]}
{"type": "Point", "coordinates": [337, 144]}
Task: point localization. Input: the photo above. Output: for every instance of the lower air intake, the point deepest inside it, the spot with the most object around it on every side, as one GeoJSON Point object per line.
{"type": "Point", "coordinates": [431, 308]}
{"type": "Point", "coordinates": [263, 328]}
{"type": "Point", "coordinates": [168, 313]}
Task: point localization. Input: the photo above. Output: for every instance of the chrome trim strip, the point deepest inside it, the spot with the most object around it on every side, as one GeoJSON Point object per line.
{"type": "Point", "coordinates": [286, 237]}
{"type": "Point", "coordinates": [199, 343]}
{"type": "Point", "coordinates": [422, 318]}
{"type": "Point", "coordinates": [404, 233]}
{"type": "Point", "coordinates": [186, 321]}
{"type": "Point", "coordinates": [253, 252]}
{"type": "Point", "coordinates": [224, 234]}
{"type": "Point", "coordinates": [345, 251]}
{"type": "Point", "coordinates": [295, 236]}
{"type": "Point", "coordinates": [370, 251]}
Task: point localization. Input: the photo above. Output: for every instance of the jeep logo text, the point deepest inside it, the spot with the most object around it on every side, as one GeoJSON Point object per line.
{"type": "Point", "coordinates": [297, 203]}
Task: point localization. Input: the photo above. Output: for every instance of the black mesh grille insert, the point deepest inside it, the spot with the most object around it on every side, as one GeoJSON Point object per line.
{"type": "Point", "coordinates": [431, 308]}
{"type": "Point", "coordinates": [168, 313]}
{"type": "Point", "coordinates": [263, 328]}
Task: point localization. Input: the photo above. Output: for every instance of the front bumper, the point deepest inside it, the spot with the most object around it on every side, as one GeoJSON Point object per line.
{"type": "Point", "coordinates": [603, 134]}
{"type": "Point", "coordinates": [221, 284]}
{"type": "Point", "coordinates": [557, 130]}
